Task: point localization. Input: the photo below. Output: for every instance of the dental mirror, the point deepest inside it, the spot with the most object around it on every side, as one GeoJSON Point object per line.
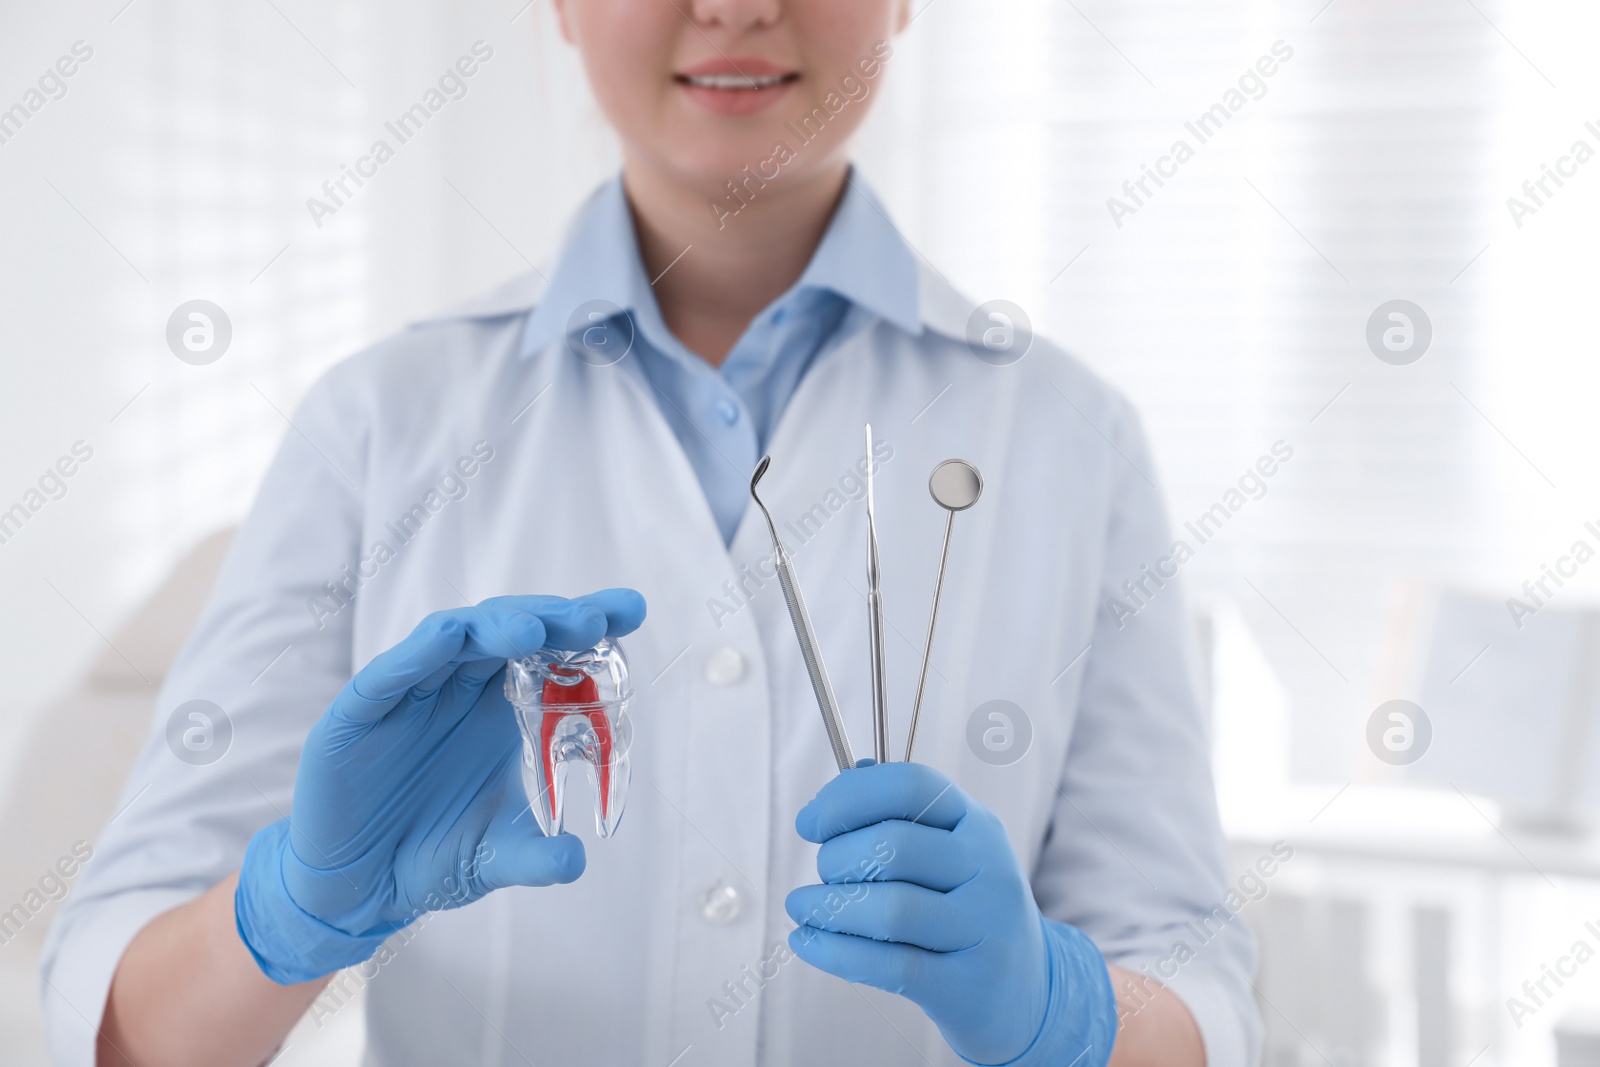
{"type": "Point", "coordinates": [955, 486]}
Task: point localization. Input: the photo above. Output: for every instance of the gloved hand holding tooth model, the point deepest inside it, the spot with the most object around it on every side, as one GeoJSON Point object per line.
{"type": "Point", "coordinates": [408, 793]}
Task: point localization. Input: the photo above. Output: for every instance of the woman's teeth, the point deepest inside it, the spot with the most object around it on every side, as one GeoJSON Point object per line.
{"type": "Point", "coordinates": [734, 81]}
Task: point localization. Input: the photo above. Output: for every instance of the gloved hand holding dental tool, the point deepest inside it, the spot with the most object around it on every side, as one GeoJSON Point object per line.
{"type": "Point", "coordinates": [408, 798]}
{"type": "Point", "coordinates": [948, 920]}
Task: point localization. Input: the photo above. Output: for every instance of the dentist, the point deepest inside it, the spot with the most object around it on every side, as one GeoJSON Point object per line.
{"type": "Point", "coordinates": [455, 495]}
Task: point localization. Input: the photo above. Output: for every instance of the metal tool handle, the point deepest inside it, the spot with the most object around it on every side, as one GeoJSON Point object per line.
{"type": "Point", "coordinates": [812, 653]}
{"type": "Point", "coordinates": [880, 682]}
{"type": "Point", "coordinates": [927, 649]}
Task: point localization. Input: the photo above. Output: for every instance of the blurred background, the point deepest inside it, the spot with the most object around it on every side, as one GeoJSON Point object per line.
{"type": "Point", "coordinates": [1423, 745]}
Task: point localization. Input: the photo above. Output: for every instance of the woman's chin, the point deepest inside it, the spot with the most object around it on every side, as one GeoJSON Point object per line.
{"type": "Point", "coordinates": [710, 164]}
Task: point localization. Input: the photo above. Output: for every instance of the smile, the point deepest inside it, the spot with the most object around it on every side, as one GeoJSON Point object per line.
{"type": "Point", "coordinates": [736, 82]}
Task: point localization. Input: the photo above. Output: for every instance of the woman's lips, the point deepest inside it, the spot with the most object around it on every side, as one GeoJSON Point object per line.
{"type": "Point", "coordinates": [736, 87]}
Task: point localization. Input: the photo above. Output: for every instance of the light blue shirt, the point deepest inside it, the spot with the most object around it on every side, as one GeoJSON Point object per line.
{"type": "Point", "coordinates": [862, 271]}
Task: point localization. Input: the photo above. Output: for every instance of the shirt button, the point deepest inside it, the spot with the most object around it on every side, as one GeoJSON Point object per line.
{"type": "Point", "coordinates": [727, 411]}
{"type": "Point", "coordinates": [780, 316]}
{"type": "Point", "coordinates": [725, 666]}
{"type": "Point", "coordinates": [720, 904]}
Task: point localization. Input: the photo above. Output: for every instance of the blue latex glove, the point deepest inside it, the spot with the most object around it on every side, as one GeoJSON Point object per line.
{"type": "Point", "coordinates": [923, 897]}
{"type": "Point", "coordinates": [409, 795]}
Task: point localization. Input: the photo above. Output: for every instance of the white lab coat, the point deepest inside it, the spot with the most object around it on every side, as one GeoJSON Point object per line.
{"type": "Point", "coordinates": [1111, 808]}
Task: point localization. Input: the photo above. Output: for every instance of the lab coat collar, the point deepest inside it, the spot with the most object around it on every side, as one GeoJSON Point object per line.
{"type": "Point", "coordinates": [515, 296]}
{"type": "Point", "coordinates": [942, 307]}
{"type": "Point", "coordinates": [862, 257]}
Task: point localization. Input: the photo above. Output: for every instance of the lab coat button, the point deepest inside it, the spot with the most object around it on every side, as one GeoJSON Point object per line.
{"type": "Point", "coordinates": [725, 666]}
{"type": "Point", "coordinates": [720, 903]}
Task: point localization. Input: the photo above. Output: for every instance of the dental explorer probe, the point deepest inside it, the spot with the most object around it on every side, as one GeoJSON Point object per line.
{"type": "Point", "coordinates": [809, 649]}
{"type": "Point", "coordinates": [880, 683]}
{"type": "Point", "coordinates": [955, 486]}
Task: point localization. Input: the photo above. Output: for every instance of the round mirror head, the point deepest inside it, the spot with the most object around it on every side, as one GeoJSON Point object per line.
{"type": "Point", "coordinates": [955, 484]}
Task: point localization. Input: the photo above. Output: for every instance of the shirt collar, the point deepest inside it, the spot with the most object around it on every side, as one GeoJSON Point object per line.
{"type": "Point", "coordinates": [861, 257]}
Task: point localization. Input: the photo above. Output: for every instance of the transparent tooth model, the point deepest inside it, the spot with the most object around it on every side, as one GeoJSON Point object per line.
{"type": "Point", "coordinates": [572, 707]}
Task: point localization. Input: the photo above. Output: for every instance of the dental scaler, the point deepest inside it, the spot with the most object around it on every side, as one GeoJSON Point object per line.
{"type": "Point", "coordinates": [572, 707]}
